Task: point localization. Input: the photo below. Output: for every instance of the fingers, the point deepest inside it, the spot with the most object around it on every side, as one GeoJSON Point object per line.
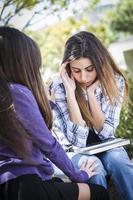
{"type": "Point", "coordinates": [91, 163]}
{"type": "Point", "coordinates": [68, 80]}
{"type": "Point", "coordinates": [97, 82]}
{"type": "Point", "coordinates": [64, 74]}
{"type": "Point", "coordinates": [50, 91]}
{"type": "Point", "coordinates": [90, 167]}
{"type": "Point", "coordinates": [93, 174]}
{"type": "Point", "coordinates": [52, 95]}
{"type": "Point", "coordinates": [63, 71]}
{"type": "Point", "coordinates": [83, 165]}
{"type": "Point", "coordinates": [93, 167]}
{"type": "Point", "coordinates": [49, 83]}
{"type": "Point", "coordinates": [92, 87]}
{"type": "Point", "coordinates": [63, 67]}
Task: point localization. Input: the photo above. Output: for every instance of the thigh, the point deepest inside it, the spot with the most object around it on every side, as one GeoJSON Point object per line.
{"type": "Point", "coordinates": [24, 187]}
{"type": "Point", "coordinates": [116, 160]}
{"type": "Point", "coordinates": [28, 187]}
{"type": "Point", "coordinates": [78, 159]}
{"type": "Point", "coordinates": [114, 156]}
{"type": "Point", "coordinates": [67, 190]}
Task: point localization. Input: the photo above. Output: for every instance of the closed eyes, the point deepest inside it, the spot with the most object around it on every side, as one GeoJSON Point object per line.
{"type": "Point", "coordinates": [88, 69]}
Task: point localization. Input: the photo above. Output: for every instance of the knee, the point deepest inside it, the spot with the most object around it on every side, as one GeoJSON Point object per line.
{"type": "Point", "coordinates": [100, 168]}
{"type": "Point", "coordinates": [91, 159]}
{"type": "Point", "coordinates": [96, 160]}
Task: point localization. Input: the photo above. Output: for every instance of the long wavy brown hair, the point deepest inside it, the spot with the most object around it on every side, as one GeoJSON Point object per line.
{"type": "Point", "coordinates": [12, 132]}
{"type": "Point", "coordinates": [20, 62]}
{"type": "Point", "coordinates": [87, 45]}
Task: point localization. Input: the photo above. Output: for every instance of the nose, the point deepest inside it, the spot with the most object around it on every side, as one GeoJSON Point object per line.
{"type": "Point", "coordinates": [83, 77]}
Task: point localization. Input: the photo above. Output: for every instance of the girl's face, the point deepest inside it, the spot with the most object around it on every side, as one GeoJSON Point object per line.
{"type": "Point", "coordinates": [83, 71]}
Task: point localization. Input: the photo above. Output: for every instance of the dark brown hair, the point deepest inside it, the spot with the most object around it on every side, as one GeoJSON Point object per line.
{"type": "Point", "coordinates": [20, 62]}
{"type": "Point", "coordinates": [12, 132]}
{"type": "Point", "coordinates": [87, 45]}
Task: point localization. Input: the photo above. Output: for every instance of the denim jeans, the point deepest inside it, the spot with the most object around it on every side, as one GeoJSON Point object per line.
{"type": "Point", "coordinates": [118, 165]}
{"type": "Point", "coordinates": [99, 179]}
{"type": "Point", "coordinates": [77, 160]}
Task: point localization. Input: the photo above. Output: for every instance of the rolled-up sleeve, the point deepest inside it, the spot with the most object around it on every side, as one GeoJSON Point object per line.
{"type": "Point", "coordinates": [112, 113]}
{"type": "Point", "coordinates": [75, 134]}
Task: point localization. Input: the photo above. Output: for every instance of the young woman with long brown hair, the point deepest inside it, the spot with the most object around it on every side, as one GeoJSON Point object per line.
{"type": "Point", "coordinates": [89, 93]}
{"type": "Point", "coordinates": [26, 143]}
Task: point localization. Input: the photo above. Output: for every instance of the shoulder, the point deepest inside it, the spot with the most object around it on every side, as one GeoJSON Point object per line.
{"type": "Point", "coordinates": [24, 101]}
{"type": "Point", "coordinates": [21, 93]}
{"type": "Point", "coordinates": [57, 82]}
{"type": "Point", "coordinates": [119, 78]}
{"type": "Point", "coordinates": [56, 78]}
{"type": "Point", "coordinates": [20, 89]}
{"type": "Point", "coordinates": [120, 81]}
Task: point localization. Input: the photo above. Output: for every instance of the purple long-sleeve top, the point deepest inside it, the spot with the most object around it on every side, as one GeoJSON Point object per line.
{"type": "Point", "coordinates": [47, 148]}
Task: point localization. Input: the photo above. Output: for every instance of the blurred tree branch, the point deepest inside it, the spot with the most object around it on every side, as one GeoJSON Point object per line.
{"type": "Point", "coordinates": [9, 9]}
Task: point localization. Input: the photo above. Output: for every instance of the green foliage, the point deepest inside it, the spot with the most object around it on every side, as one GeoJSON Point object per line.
{"type": "Point", "coordinates": [123, 17]}
{"type": "Point", "coordinates": [125, 128]}
{"type": "Point", "coordinates": [103, 32]}
{"type": "Point", "coordinates": [92, 4]}
{"type": "Point", "coordinates": [63, 3]}
{"type": "Point", "coordinates": [25, 3]}
{"type": "Point", "coordinates": [121, 21]}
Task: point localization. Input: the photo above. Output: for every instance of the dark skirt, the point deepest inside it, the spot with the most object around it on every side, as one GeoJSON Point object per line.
{"type": "Point", "coordinates": [28, 187]}
{"type": "Point", "coordinates": [31, 187]}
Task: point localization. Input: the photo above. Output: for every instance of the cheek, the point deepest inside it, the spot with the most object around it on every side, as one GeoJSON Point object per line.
{"type": "Point", "coordinates": [94, 75]}
{"type": "Point", "coordinates": [75, 76]}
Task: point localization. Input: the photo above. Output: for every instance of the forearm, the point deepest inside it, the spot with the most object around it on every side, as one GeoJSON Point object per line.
{"type": "Point", "coordinates": [75, 134]}
{"type": "Point", "coordinates": [97, 114]}
{"type": "Point", "coordinates": [74, 111]}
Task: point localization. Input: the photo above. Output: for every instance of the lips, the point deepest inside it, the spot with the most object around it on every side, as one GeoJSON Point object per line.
{"type": "Point", "coordinates": [88, 83]}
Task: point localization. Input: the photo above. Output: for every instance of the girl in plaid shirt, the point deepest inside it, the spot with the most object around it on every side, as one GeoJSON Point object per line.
{"type": "Point", "coordinates": [89, 93]}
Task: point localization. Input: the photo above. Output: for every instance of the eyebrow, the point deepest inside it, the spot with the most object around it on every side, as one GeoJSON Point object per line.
{"type": "Point", "coordinates": [84, 68]}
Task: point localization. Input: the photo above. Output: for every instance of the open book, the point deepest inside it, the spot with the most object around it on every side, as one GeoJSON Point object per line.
{"type": "Point", "coordinates": [102, 146]}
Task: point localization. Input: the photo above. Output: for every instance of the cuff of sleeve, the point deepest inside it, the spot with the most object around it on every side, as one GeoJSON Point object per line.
{"type": "Point", "coordinates": [85, 176]}
{"type": "Point", "coordinates": [77, 134]}
{"type": "Point", "coordinates": [106, 132]}
{"type": "Point", "coordinates": [82, 177]}
{"type": "Point", "coordinates": [74, 127]}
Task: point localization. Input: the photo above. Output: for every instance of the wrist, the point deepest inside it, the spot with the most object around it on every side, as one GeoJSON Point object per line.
{"type": "Point", "coordinates": [90, 94]}
{"type": "Point", "coordinates": [70, 94]}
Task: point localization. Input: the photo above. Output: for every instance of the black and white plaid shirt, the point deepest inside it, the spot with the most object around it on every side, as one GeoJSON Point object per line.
{"type": "Point", "coordinates": [69, 132]}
